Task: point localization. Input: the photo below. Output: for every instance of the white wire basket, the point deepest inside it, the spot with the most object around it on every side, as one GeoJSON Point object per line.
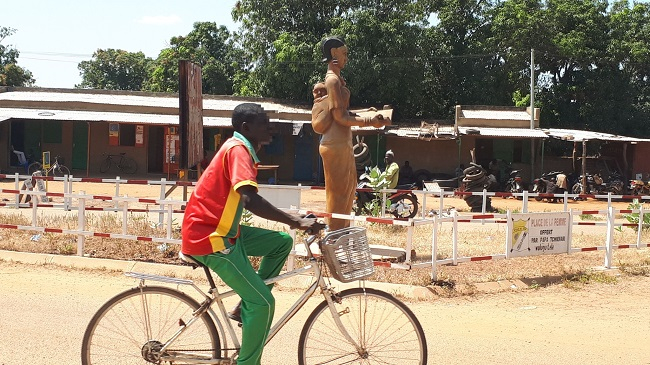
{"type": "Point", "coordinates": [347, 254]}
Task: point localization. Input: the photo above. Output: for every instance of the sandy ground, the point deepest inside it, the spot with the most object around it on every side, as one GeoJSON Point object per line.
{"type": "Point", "coordinates": [45, 310]}
{"type": "Point", "coordinates": [584, 324]}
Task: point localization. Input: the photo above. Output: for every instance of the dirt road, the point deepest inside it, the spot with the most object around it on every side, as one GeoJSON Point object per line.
{"type": "Point", "coordinates": [44, 310]}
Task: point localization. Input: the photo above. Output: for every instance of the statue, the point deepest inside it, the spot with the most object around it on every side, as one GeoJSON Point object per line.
{"type": "Point", "coordinates": [332, 119]}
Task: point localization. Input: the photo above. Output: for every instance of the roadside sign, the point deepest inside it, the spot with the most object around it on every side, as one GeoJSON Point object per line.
{"type": "Point", "coordinates": [538, 234]}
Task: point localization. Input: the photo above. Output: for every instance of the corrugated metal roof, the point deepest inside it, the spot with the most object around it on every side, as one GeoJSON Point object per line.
{"type": "Point", "coordinates": [132, 118]}
{"type": "Point", "coordinates": [503, 132]}
{"type": "Point", "coordinates": [579, 136]}
{"type": "Point", "coordinates": [152, 100]}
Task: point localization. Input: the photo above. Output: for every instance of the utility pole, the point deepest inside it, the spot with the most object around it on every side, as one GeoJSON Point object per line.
{"type": "Point", "coordinates": [532, 113]}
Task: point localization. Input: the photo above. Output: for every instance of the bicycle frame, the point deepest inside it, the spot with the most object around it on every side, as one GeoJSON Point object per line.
{"type": "Point", "coordinates": [213, 295]}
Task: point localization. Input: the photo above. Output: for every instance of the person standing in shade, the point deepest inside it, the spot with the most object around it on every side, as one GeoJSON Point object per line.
{"type": "Point", "coordinates": [212, 233]}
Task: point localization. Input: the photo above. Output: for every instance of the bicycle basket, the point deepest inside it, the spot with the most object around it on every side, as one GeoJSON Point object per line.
{"type": "Point", "coordinates": [347, 254]}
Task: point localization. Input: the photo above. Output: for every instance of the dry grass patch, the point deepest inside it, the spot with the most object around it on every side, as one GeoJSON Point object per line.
{"type": "Point", "coordinates": [573, 270]}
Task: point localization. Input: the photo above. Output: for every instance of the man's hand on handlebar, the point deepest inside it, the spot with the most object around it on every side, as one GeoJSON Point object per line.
{"type": "Point", "coordinates": [309, 224]}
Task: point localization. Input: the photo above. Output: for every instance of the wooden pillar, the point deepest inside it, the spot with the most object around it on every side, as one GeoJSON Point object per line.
{"type": "Point", "coordinates": [584, 166]}
{"type": "Point", "coordinates": [574, 156]}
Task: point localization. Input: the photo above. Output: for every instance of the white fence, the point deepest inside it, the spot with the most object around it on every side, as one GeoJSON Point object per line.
{"type": "Point", "coordinates": [289, 197]}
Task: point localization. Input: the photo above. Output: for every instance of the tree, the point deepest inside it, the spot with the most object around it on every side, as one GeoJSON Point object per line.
{"type": "Point", "coordinates": [209, 46]}
{"type": "Point", "coordinates": [114, 69]}
{"type": "Point", "coordinates": [282, 40]}
{"type": "Point", "coordinates": [10, 73]}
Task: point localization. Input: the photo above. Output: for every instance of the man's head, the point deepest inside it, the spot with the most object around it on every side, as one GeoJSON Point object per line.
{"type": "Point", "coordinates": [251, 121]}
{"type": "Point", "coordinates": [389, 157]}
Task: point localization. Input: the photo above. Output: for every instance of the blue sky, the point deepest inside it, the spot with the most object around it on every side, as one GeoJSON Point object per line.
{"type": "Point", "coordinates": [54, 36]}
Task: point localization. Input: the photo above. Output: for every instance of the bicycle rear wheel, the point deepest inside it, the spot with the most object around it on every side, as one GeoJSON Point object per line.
{"type": "Point", "coordinates": [386, 330]}
{"type": "Point", "coordinates": [106, 164]}
{"type": "Point", "coordinates": [132, 327]}
{"type": "Point", "coordinates": [128, 165]}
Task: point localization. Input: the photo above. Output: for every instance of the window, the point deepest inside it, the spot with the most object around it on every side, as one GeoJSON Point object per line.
{"type": "Point", "coordinates": [127, 134]}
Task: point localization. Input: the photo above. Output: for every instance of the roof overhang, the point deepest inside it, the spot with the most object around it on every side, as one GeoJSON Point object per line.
{"type": "Point", "coordinates": [503, 132]}
{"type": "Point", "coordinates": [439, 132]}
{"type": "Point", "coordinates": [574, 135]}
{"type": "Point", "coordinates": [114, 117]}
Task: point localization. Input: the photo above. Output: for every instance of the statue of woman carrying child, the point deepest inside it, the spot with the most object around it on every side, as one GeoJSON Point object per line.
{"type": "Point", "coordinates": [332, 119]}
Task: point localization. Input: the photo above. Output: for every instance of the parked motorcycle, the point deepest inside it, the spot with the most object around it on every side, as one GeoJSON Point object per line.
{"type": "Point", "coordinates": [514, 184]}
{"type": "Point", "coordinates": [639, 187]}
{"type": "Point", "coordinates": [401, 204]}
{"type": "Point", "coordinates": [550, 183]}
{"type": "Point", "coordinates": [598, 186]}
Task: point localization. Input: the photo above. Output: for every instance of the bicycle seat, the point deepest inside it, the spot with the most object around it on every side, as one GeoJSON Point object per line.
{"type": "Point", "coordinates": [190, 260]}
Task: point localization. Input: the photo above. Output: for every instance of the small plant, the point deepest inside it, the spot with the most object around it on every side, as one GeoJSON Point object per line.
{"type": "Point", "coordinates": [634, 217]}
{"type": "Point", "coordinates": [376, 179]}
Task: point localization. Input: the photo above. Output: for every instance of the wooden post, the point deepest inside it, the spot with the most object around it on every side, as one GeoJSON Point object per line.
{"type": "Point", "coordinates": [584, 167]}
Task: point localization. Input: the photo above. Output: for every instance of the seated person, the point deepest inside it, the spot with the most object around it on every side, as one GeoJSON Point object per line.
{"type": "Point", "coordinates": [391, 174]}
{"type": "Point", "coordinates": [406, 173]}
{"type": "Point", "coordinates": [22, 161]}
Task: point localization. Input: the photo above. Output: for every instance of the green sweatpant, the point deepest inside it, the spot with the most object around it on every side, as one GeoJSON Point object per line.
{"type": "Point", "coordinates": [258, 304]}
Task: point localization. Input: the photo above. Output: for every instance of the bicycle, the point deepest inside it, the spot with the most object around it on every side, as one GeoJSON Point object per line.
{"type": "Point", "coordinates": [124, 164]}
{"type": "Point", "coordinates": [55, 169]}
{"type": "Point", "coordinates": [159, 324]}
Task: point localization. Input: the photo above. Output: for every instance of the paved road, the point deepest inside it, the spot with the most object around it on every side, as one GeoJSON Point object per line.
{"type": "Point", "coordinates": [44, 310]}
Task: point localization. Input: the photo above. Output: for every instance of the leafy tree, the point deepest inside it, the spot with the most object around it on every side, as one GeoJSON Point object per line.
{"type": "Point", "coordinates": [208, 45]}
{"type": "Point", "coordinates": [114, 69]}
{"type": "Point", "coordinates": [10, 73]}
{"type": "Point", "coordinates": [463, 67]}
{"type": "Point", "coordinates": [286, 73]}
{"type": "Point", "coordinates": [283, 38]}
{"type": "Point", "coordinates": [387, 43]}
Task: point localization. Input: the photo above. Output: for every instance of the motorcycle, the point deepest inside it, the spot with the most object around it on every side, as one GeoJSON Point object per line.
{"type": "Point", "coordinates": [639, 187]}
{"type": "Point", "coordinates": [597, 186]}
{"type": "Point", "coordinates": [514, 183]}
{"type": "Point", "coordinates": [401, 204]}
{"type": "Point", "coordinates": [548, 184]}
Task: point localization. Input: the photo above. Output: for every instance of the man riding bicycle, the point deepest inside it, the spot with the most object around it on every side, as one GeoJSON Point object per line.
{"type": "Point", "coordinates": [212, 233]}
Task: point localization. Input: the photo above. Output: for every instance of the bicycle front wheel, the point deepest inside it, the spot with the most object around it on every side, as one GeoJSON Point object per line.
{"type": "Point", "coordinates": [33, 167]}
{"type": "Point", "coordinates": [385, 331]}
{"type": "Point", "coordinates": [60, 170]}
{"type": "Point", "coordinates": [128, 165]}
{"type": "Point", "coordinates": [132, 327]}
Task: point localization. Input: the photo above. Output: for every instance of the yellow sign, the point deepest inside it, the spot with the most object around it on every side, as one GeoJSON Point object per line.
{"type": "Point", "coordinates": [519, 233]}
{"type": "Point", "coordinates": [46, 160]}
